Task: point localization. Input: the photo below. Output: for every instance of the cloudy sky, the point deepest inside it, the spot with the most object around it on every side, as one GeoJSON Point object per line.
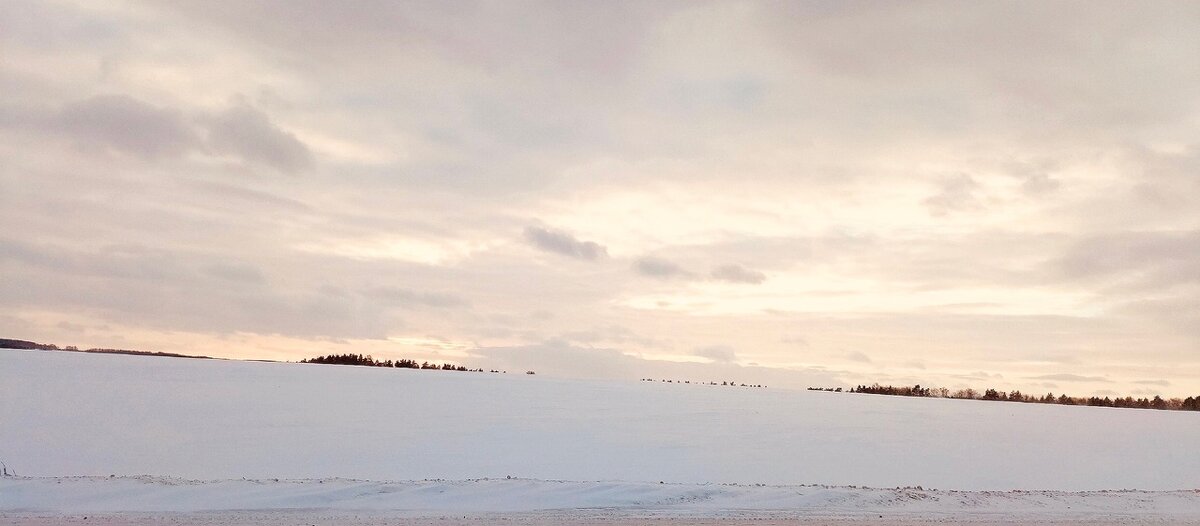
{"type": "Point", "coordinates": [952, 193]}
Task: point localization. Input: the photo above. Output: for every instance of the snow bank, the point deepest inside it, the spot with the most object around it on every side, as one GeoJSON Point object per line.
{"type": "Point", "coordinates": [65, 414]}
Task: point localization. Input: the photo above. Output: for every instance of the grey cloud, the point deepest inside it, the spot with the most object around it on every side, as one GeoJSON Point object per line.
{"type": "Point", "coordinates": [1151, 277]}
{"type": "Point", "coordinates": [1052, 358]}
{"type": "Point", "coordinates": [738, 274]}
{"type": "Point", "coordinates": [249, 134]}
{"type": "Point", "coordinates": [1171, 166]}
{"type": "Point", "coordinates": [1026, 58]}
{"type": "Point", "coordinates": [1039, 182]}
{"type": "Point", "coordinates": [1067, 377]}
{"type": "Point", "coordinates": [565, 244]}
{"type": "Point", "coordinates": [249, 197]}
{"type": "Point", "coordinates": [934, 261]}
{"type": "Point", "coordinates": [658, 268]}
{"type": "Point", "coordinates": [1160, 383]}
{"type": "Point", "coordinates": [576, 40]}
{"type": "Point", "coordinates": [740, 93]}
{"type": "Point", "coordinates": [131, 262]}
{"type": "Point", "coordinates": [154, 302]}
{"type": "Point", "coordinates": [717, 353]}
{"type": "Point", "coordinates": [795, 340]}
{"type": "Point", "coordinates": [236, 272]}
{"type": "Point", "coordinates": [127, 125]}
{"type": "Point", "coordinates": [1149, 258]}
{"type": "Point", "coordinates": [403, 296]}
{"type": "Point", "coordinates": [71, 327]}
{"type": "Point", "coordinates": [858, 356]}
{"type": "Point", "coordinates": [1178, 314]}
{"type": "Point", "coordinates": [1156, 188]}
{"type": "Point", "coordinates": [1036, 174]}
{"type": "Point", "coordinates": [142, 287]}
{"type": "Point", "coordinates": [1165, 181]}
{"type": "Point", "coordinates": [954, 194]}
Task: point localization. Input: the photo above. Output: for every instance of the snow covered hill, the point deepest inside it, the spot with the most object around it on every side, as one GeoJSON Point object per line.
{"type": "Point", "coordinates": [74, 414]}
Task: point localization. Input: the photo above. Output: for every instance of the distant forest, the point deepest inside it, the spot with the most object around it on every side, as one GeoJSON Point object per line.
{"type": "Point", "coordinates": [1191, 403]}
{"type": "Point", "coordinates": [368, 361]}
{"type": "Point", "coordinates": [6, 343]}
{"type": "Point", "coordinates": [338, 359]}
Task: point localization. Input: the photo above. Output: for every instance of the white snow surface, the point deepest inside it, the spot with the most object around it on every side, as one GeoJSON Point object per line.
{"type": "Point", "coordinates": [609, 499]}
{"type": "Point", "coordinates": [65, 414]}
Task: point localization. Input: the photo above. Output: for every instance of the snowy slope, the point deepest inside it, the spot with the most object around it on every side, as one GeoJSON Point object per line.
{"type": "Point", "coordinates": [67, 414]}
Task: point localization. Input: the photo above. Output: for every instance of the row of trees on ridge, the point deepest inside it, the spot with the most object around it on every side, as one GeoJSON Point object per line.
{"type": "Point", "coordinates": [1191, 403]}
{"type": "Point", "coordinates": [368, 361]}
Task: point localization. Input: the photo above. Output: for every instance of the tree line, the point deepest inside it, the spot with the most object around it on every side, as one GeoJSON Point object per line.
{"type": "Point", "coordinates": [368, 361]}
{"type": "Point", "coordinates": [1191, 403]}
{"type": "Point", "coordinates": [6, 343]}
{"type": "Point", "coordinates": [339, 359]}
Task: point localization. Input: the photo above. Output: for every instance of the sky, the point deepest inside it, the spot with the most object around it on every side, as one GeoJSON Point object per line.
{"type": "Point", "coordinates": [959, 194]}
